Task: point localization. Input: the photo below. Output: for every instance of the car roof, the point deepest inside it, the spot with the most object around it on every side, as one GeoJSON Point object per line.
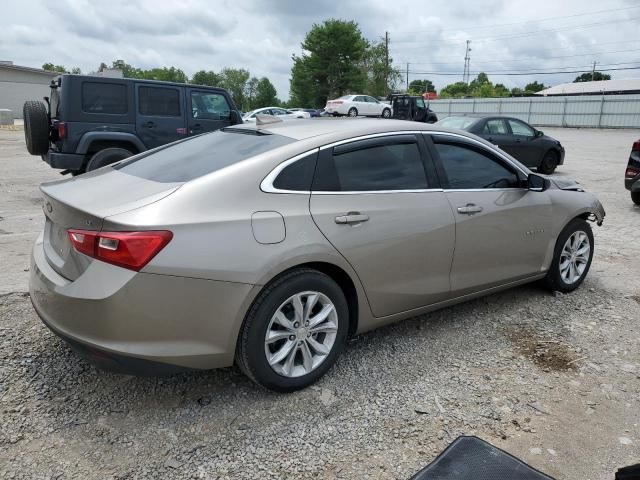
{"type": "Point", "coordinates": [481, 116]}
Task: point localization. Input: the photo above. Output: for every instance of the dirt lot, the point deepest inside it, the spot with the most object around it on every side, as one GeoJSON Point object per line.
{"type": "Point", "coordinates": [553, 379]}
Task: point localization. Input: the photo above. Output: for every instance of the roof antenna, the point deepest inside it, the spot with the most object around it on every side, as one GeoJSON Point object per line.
{"type": "Point", "coordinates": [263, 119]}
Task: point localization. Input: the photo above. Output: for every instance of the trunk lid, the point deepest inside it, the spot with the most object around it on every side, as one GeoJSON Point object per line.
{"type": "Point", "coordinates": [83, 203]}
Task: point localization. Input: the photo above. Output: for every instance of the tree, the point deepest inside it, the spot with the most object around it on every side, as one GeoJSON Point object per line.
{"type": "Point", "coordinates": [252, 85]}
{"type": "Point", "coordinates": [128, 71]}
{"type": "Point", "coordinates": [588, 77]}
{"type": "Point", "coordinates": [455, 90]}
{"type": "Point", "coordinates": [204, 77]}
{"type": "Point", "coordinates": [517, 92]}
{"type": "Point", "coordinates": [534, 87]}
{"type": "Point", "coordinates": [171, 74]}
{"type": "Point", "coordinates": [418, 87]}
{"type": "Point", "coordinates": [501, 90]}
{"type": "Point", "coordinates": [266, 94]}
{"type": "Point", "coordinates": [54, 68]}
{"type": "Point", "coordinates": [76, 71]}
{"type": "Point", "coordinates": [331, 63]}
{"type": "Point", "coordinates": [235, 80]}
{"type": "Point", "coordinates": [381, 76]}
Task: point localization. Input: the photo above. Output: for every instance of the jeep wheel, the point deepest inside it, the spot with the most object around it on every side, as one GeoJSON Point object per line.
{"type": "Point", "coordinates": [107, 157]}
{"type": "Point", "coordinates": [36, 127]}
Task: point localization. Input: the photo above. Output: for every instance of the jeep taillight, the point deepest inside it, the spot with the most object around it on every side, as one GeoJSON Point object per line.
{"type": "Point", "coordinates": [62, 130]}
{"type": "Point", "coordinates": [631, 172]}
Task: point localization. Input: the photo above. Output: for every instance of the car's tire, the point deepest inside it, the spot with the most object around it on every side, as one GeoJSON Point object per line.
{"type": "Point", "coordinates": [570, 257]}
{"type": "Point", "coordinates": [549, 163]}
{"type": "Point", "coordinates": [336, 114]}
{"type": "Point", "coordinates": [107, 157]}
{"type": "Point", "coordinates": [635, 197]}
{"type": "Point", "coordinates": [292, 371]}
{"type": "Point", "coordinates": [386, 113]}
{"type": "Point", "coordinates": [36, 127]}
{"type": "Point", "coordinates": [353, 112]}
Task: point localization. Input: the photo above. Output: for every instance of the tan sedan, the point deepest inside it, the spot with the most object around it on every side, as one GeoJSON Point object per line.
{"type": "Point", "coordinates": [269, 245]}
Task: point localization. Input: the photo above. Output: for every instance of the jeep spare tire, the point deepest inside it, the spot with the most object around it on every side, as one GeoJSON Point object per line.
{"type": "Point", "coordinates": [107, 157]}
{"type": "Point", "coordinates": [36, 127]}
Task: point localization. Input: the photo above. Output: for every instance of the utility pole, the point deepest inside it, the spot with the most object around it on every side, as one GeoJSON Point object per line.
{"type": "Point", "coordinates": [386, 63]}
{"type": "Point", "coordinates": [407, 76]}
{"type": "Point", "coordinates": [593, 72]}
{"type": "Point", "coordinates": [467, 63]}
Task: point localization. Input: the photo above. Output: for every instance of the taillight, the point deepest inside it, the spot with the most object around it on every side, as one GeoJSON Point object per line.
{"type": "Point", "coordinates": [132, 250]}
{"type": "Point", "coordinates": [636, 145]}
{"type": "Point", "coordinates": [338, 102]}
{"type": "Point", "coordinates": [631, 172]}
{"type": "Point", "coordinates": [62, 130]}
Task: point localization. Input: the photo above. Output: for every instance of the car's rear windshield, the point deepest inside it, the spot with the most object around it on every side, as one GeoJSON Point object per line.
{"type": "Point", "coordinates": [201, 155]}
{"type": "Point", "coordinates": [457, 122]}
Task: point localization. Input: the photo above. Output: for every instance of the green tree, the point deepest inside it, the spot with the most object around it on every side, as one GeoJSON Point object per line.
{"type": "Point", "coordinates": [171, 74]}
{"type": "Point", "coordinates": [418, 87]}
{"type": "Point", "coordinates": [76, 71]}
{"type": "Point", "coordinates": [455, 90]}
{"type": "Point", "coordinates": [235, 80]}
{"type": "Point", "coordinates": [534, 87]}
{"type": "Point", "coordinates": [517, 92]}
{"type": "Point", "coordinates": [128, 71]}
{"type": "Point", "coordinates": [204, 77]}
{"type": "Point", "coordinates": [501, 90]}
{"type": "Point", "coordinates": [331, 63]}
{"type": "Point", "coordinates": [54, 68]}
{"type": "Point", "coordinates": [381, 77]}
{"type": "Point", "coordinates": [266, 94]}
{"type": "Point", "coordinates": [586, 77]}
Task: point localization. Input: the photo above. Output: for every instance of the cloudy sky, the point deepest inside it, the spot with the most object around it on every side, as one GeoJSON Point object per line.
{"type": "Point", "coordinates": [507, 35]}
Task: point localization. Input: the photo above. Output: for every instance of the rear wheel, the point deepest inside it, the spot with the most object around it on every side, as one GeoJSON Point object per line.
{"type": "Point", "coordinates": [107, 157]}
{"type": "Point", "coordinates": [353, 112]}
{"type": "Point", "coordinates": [294, 332]}
{"type": "Point", "coordinates": [635, 196]}
{"type": "Point", "coordinates": [572, 257]}
{"type": "Point", "coordinates": [36, 127]}
{"type": "Point", "coordinates": [549, 163]}
{"type": "Point", "coordinates": [386, 113]}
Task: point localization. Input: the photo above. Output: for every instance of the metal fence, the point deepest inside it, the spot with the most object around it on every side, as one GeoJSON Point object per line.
{"type": "Point", "coordinates": [606, 111]}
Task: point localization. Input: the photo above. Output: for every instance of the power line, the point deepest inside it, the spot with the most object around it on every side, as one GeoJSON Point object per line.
{"type": "Point", "coordinates": [531, 21]}
{"type": "Point", "coordinates": [509, 73]}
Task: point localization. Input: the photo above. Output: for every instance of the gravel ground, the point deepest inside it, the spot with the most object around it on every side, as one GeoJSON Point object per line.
{"type": "Point", "coordinates": [553, 379]}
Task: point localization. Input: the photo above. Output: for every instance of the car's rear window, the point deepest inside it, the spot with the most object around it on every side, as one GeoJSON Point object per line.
{"type": "Point", "coordinates": [457, 122]}
{"type": "Point", "coordinates": [201, 155]}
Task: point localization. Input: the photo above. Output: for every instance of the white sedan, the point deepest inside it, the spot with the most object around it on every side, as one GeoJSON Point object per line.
{"type": "Point", "coordinates": [250, 117]}
{"type": "Point", "coordinates": [354, 105]}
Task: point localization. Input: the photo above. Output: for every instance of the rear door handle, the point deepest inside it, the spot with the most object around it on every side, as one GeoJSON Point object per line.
{"type": "Point", "coordinates": [149, 125]}
{"type": "Point", "coordinates": [351, 218]}
{"type": "Point", "coordinates": [469, 209]}
{"type": "Point", "coordinates": [197, 126]}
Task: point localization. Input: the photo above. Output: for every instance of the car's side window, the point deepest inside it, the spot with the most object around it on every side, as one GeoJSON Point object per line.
{"type": "Point", "coordinates": [109, 98]}
{"type": "Point", "coordinates": [519, 128]}
{"type": "Point", "coordinates": [467, 167]}
{"type": "Point", "coordinates": [159, 101]}
{"type": "Point", "coordinates": [393, 166]}
{"type": "Point", "coordinates": [495, 126]}
{"type": "Point", "coordinates": [298, 175]}
{"type": "Point", "coordinates": [209, 105]}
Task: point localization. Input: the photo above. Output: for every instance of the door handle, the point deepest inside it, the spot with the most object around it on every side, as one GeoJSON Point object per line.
{"type": "Point", "coordinates": [470, 209]}
{"type": "Point", "coordinates": [197, 126]}
{"type": "Point", "coordinates": [490, 139]}
{"type": "Point", "coordinates": [149, 125]}
{"type": "Point", "coordinates": [351, 218]}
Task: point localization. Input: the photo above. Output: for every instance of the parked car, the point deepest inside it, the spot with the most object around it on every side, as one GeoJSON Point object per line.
{"type": "Point", "coordinates": [311, 111]}
{"type": "Point", "coordinates": [91, 121]}
{"type": "Point", "coordinates": [355, 105]}
{"type": "Point", "coordinates": [250, 117]}
{"type": "Point", "coordinates": [269, 245]}
{"type": "Point", "coordinates": [632, 173]}
{"type": "Point", "coordinates": [412, 107]}
{"type": "Point", "coordinates": [527, 144]}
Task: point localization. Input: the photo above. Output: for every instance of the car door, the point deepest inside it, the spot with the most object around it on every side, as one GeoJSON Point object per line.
{"type": "Point", "coordinates": [503, 230]}
{"type": "Point", "coordinates": [495, 130]}
{"type": "Point", "coordinates": [208, 111]}
{"type": "Point", "coordinates": [374, 106]}
{"type": "Point", "coordinates": [160, 116]}
{"type": "Point", "coordinates": [361, 104]}
{"type": "Point", "coordinates": [524, 146]}
{"type": "Point", "coordinates": [376, 202]}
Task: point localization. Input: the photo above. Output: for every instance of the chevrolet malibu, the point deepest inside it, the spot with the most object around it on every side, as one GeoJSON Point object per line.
{"type": "Point", "coordinates": [269, 245]}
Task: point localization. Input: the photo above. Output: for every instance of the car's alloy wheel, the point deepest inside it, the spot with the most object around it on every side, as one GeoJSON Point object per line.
{"type": "Point", "coordinates": [301, 334]}
{"type": "Point", "coordinates": [574, 257]}
{"type": "Point", "coordinates": [353, 112]}
{"type": "Point", "coordinates": [386, 113]}
{"type": "Point", "coordinates": [549, 163]}
{"type": "Point", "coordinates": [294, 331]}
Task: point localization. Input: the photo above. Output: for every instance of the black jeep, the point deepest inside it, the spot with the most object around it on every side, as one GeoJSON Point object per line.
{"type": "Point", "coordinates": [91, 122]}
{"type": "Point", "coordinates": [411, 107]}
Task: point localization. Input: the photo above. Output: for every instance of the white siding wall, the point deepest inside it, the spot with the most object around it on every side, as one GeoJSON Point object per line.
{"type": "Point", "coordinates": [16, 87]}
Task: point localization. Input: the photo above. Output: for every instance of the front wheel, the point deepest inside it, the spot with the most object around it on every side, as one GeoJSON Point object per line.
{"type": "Point", "coordinates": [572, 257]}
{"type": "Point", "coordinates": [549, 163]}
{"type": "Point", "coordinates": [386, 113]}
{"type": "Point", "coordinates": [635, 197]}
{"type": "Point", "coordinates": [294, 332]}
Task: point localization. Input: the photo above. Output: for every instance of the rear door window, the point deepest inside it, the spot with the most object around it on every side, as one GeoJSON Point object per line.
{"type": "Point", "coordinates": [104, 98]}
{"type": "Point", "coordinates": [209, 106]}
{"type": "Point", "coordinates": [495, 126]}
{"type": "Point", "coordinates": [201, 155]}
{"type": "Point", "coordinates": [159, 101]}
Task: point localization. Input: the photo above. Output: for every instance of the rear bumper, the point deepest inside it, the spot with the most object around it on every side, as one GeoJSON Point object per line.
{"type": "Point", "coordinates": [632, 184]}
{"type": "Point", "coordinates": [139, 322]}
{"type": "Point", "coordinates": [67, 161]}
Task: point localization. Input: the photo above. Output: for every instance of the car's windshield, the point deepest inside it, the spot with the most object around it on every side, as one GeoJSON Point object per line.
{"type": "Point", "coordinates": [461, 123]}
{"type": "Point", "coordinates": [198, 156]}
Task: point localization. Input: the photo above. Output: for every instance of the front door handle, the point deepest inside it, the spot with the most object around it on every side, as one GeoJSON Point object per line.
{"type": "Point", "coordinates": [470, 209]}
{"type": "Point", "coordinates": [351, 218]}
{"type": "Point", "coordinates": [149, 125]}
{"type": "Point", "coordinates": [197, 126]}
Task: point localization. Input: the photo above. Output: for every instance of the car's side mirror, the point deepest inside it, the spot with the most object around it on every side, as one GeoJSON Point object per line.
{"type": "Point", "coordinates": [537, 183]}
{"type": "Point", "coordinates": [234, 118]}
{"type": "Point", "coordinates": [539, 133]}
